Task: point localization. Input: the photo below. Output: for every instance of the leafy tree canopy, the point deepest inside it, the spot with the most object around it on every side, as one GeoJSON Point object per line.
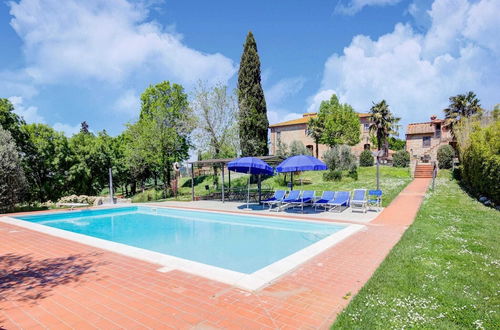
{"type": "Point", "coordinates": [340, 123]}
{"type": "Point", "coordinates": [164, 128]}
{"type": "Point", "coordinates": [12, 182]}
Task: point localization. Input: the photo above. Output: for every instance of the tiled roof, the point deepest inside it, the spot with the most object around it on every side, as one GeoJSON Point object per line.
{"type": "Point", "coordinates": [305, 119]}
{"type": "Point", "coordinates": [420, 128]}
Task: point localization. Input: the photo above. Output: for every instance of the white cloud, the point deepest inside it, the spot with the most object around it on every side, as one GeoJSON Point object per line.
{"type": "Point", "coordinates": [29, 113]}
{"type": "Point", "coordinates": [128, 103]}
{"type": "Point", "coordinates": [351, 7]}
{"type": "Point", "coordinates": [106, 40]}
{"type": "Point", "coordinates": [315, 100]}
{"type": "Point", "coordinates": [280, 115]}
{"type": "Point", "coordinates": [283, 89]}
{"type": "Point", "coordinates": [67, 129]}
{"type": "Point", "coordinates": [417, 72]}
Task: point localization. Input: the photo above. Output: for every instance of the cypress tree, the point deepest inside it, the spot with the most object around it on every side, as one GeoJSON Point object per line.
{"type": "Point", "coordinates": [253, 123]}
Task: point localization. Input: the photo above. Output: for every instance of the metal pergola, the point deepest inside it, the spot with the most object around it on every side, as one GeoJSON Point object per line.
{"type": "Point", "coordinates": [271, 160]}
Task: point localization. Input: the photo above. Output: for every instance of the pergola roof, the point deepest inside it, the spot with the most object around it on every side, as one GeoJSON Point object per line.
{"type": "Point", "coordinates": [271, 160]}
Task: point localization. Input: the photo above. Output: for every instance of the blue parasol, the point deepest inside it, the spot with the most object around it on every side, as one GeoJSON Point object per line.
{"type": "Point", "coordinates": [250, 165]}
{"type": "Point", "coordinates": [300, 163]}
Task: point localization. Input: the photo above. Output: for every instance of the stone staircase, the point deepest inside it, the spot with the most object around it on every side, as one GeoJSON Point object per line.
{"type": "Point", "coordinates": [423, 170]}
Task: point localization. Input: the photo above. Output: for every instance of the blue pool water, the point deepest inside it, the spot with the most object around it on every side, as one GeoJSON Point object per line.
{"type": "Point", "coordinates": [240, 243]}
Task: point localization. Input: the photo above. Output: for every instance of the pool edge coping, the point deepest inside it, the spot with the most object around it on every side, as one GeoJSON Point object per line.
{"type": "Point", "coordinates": [251, 282]}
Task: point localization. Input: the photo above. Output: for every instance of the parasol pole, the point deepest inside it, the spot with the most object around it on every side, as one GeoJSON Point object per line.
{"type": "Point", "coordinates": [248, 190]}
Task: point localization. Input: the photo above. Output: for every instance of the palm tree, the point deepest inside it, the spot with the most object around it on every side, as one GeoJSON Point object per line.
{"type": "Point", "coordinates": [315, 131]}
{"type": "Point", "coordinates": [461, 105]}
{"type": "Point", "coordinates": [383, 123]}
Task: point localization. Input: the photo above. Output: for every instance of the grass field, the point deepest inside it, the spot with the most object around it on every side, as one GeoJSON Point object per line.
{"type": "Point", "coordinates": [443, 274]}
{"type": "Point", "coordinates": [392, 181]}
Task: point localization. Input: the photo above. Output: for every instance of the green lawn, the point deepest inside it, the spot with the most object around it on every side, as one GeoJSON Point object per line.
{"type": "Point", "coordinates": [392, 181]}
{"type": "Point", "coordinates": [444, 273]}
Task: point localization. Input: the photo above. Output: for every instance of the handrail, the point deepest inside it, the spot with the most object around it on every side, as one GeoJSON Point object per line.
{"type": "Point", "coordinates": [434, 173]}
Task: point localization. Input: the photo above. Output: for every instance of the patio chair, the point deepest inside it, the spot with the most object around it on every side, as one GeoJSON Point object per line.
{"type": "Point", "coordinates": [307, 198]}
{"type": "Point", "coordinates": [359, 200]}
{"type": "Point", "coordinates": [277, 198]}
{"type": "Point", "coordinates": [292, 197]}
{"type": "Point", "coordinates": [341, 200]}
{"type": "Point", "coordinates": [375, 198]}
{"type": "Point", "coordinates": [324, 199]}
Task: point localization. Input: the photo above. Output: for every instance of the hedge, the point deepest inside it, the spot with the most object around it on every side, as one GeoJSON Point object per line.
{"type": "Point", "coordinates": [480, 161]}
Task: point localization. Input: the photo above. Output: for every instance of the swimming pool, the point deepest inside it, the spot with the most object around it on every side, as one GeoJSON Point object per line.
{"type": "Point", "coordinates": [236, 246]}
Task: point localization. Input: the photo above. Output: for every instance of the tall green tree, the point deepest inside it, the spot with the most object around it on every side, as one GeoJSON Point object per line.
{"type": "Point", "coordinates": [461, 106]}
{"type": "Point", "coordinates": [48, 164]}
{"type": "Point", "coordinates": [383, 124]}
{"type": "Point", "coordinates": [216, 109]}
{"type": "Point", "coordinates": [340, 123]}
{"type": "Point", "coordinates": [11, 122]}
{"type": "Point", "coordinates": [315, 130]}
{"type": "Point", "coordinates": [12, 181]}
{"type": "Point", "coordinates": [253, 122]}
{"type": "Point", "coordinates": [92, 157]}
{"type": "Point", "coordinates": [164, 127]}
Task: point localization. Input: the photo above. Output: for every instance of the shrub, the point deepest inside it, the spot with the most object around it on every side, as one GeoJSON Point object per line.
{"type": "Point", "coordinates": [334, 175]}
{"type": "Point", "coordinates": [298, 148]}
{"type": "Point", "coordinates": [147, 196]}
{"type": "Point", "coordinates": [353, 172]}
{"type": "Point", "coordinates": [401, 158]}
{"type": "Point", "coordinates": [339, 158]}
{"type": "Point", "coordinates": [480, 157]}
{"type": "Point", "coordinates": [366, 158]}
{"type": "Point", "coordinates": [445, 156]}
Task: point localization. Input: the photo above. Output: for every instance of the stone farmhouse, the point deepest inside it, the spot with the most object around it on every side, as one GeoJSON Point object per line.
{"type": "Point", "coordinates": [424, 139]}
{"type": "Point", "coordinates": [296, 130]}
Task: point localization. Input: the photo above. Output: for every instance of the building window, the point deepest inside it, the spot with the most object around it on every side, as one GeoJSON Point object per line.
{"type": "Point", "coordinates": [366, 127]}
{"type": "Point", "coordinates": [278, 135]}
{"type": "Point", "coordinates": [426, 141]}
{"type": "Point", "coordinates": [438, 131]}
{"type": "Point", "coordinates": [310, 149]}
{"type": "Point", "coordinates": [366, 146]}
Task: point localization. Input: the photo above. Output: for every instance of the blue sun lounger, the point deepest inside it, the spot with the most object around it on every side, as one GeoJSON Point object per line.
{"type": "Point", "coordinates": [292, 197]}
{"type": "Point", "coordinates": [324, 199]}
{"type": "Point", "coordinates": [341, 200]}
{"type": "Point", "coordinates": [307, 198]}
{"type": "Point", "coordinates": [277, 198]}
{"type": "Point", "coordinates": [359, 200]}
{"type": "Point", "coordinates": [375, 198]}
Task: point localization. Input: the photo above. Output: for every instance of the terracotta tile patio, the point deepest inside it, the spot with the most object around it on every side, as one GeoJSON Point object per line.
{"type": "Point", "coordinates": [49, 282]}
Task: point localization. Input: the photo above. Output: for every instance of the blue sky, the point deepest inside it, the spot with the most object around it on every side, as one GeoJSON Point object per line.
{"type": "Point", "coordinates": [65, 62]}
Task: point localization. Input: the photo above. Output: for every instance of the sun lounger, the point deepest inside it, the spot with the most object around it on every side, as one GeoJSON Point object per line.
{"type": "Point", "coordinates": [375, 198]}
{"type": "Point", "coordinates": [359, 200]}
{"type": "Point", "coordinates": [341, 200]}
{"type": "Point", "coordinates": [307, 198]}
{"type": "Point", "coordinates": [278, 197]}
{"type": "Point", "coordinates": [324, 199]}
{"type": "Point", "coordinates": [286, 202]}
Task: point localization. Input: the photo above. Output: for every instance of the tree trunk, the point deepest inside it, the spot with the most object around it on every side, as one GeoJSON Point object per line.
{"type": "Point", "coordinates": [317, 151]}
{"type": "Point", "coordinates": [166, 175]}
{"type": "Point", "coordinates": [133, 188]}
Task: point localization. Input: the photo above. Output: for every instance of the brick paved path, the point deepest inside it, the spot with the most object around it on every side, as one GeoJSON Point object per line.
{"type": "Point", "coordinates": [49, 282]}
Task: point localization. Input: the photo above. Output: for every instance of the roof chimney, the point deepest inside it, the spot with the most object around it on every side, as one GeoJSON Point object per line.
{"type": "Point", "coordinates": [433, 117]}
